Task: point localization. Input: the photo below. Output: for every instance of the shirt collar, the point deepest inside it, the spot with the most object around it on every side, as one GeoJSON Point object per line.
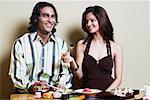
{"type": "Point", "coordinates": [37, 37]}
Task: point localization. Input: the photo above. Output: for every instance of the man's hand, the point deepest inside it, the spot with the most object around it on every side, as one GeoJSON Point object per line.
{"type": "Point", "coordinates": [39, 86]}
{"type": "Point", "coordinates": [31, 89]}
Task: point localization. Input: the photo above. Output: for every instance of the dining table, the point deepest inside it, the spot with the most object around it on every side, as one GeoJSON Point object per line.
{"type": "Point", "coordinates": [100, 96]}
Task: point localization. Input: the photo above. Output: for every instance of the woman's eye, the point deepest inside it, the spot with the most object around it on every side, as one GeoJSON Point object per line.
{"type": "Point", "coordinates": [92, 20]}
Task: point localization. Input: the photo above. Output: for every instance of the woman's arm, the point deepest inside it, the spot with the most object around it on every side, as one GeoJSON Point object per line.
{"type": "Point", "coordinates": [79, 58]}
{"type": "Point", "coordinates": [76, 65]}
{"type": "Point", "coordinates": [117, 66]}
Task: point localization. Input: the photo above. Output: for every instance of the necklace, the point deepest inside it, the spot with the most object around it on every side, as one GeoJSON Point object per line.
{"type": "Point", "coordinates": [98, 60]}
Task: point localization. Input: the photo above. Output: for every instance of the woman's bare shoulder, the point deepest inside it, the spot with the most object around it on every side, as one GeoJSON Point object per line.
{"type": "Point", "coordinates": [115, 46]}
{"type": "Point", "coordinates": [81, 45]}
{"type": "Point", "coordinates": [113, 43]}
{"type": "Point", "coordinates": [81, 42]}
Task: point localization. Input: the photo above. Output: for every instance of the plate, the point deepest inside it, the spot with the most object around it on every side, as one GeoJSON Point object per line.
{"type": "Point", "coordinates": [93, 91]}
{"type": "Point", "coordinates": [122, 92]}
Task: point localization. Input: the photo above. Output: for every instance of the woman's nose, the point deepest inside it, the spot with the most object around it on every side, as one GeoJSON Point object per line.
{"type": "Point", "coordinates": [88, 23]}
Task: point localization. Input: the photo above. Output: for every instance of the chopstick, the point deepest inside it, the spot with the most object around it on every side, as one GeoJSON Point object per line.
{"type": "Point", "coordinates": [54, 87]}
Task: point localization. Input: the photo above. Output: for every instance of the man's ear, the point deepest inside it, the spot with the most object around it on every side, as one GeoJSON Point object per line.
{"type": "Point", "coordinates": [55, 23]}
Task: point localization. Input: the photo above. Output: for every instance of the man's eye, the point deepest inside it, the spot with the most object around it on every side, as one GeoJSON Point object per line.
{"type": "Point", "coordinates": [53, 16]}
{"type": "Point", "coordinates": [45, 15]}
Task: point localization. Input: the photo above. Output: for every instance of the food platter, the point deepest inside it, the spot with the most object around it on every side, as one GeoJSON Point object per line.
{"type": "Point", "coordinates": [93, 91]}
{"type": "Point", "coordinates": [118, 94]}
{"type": "Point", "coordinates": [122, 92]}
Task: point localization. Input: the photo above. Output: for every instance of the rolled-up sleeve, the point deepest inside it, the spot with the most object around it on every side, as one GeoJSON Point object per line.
{"type": "Point", "coordinates": [66, 76]}
{"type": "Point", "coordinates": [65, 80]}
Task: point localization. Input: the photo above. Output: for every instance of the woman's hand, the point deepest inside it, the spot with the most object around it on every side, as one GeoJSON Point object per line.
{"type": "Point", "coordinates": [66, 58]}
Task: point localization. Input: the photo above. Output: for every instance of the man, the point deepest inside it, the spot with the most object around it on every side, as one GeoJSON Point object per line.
{"type": "Point", "coordinates": [36, 56]}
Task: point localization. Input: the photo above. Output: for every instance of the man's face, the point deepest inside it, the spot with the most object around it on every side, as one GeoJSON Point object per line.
{"type": "Point", "coordinates": [46, 20]}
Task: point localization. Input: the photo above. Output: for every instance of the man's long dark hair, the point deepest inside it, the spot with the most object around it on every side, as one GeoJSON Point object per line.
{"type": "Point", "coordinates": [36, 13]}
{"type": "Point", "coordinates": [105, 26]}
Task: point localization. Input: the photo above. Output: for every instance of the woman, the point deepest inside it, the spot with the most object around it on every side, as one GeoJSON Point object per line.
{"type": "Point", "coordinates": [98, 53]}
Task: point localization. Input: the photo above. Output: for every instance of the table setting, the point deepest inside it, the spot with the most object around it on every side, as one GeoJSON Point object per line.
{"type": "Point", "coordinates": [55, 93]}
{"type": "Point", "coordinates": [41, 90]}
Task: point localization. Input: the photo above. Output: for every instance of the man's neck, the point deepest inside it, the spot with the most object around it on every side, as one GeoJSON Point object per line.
{"type": "Point", "coordinates": [44, 37]}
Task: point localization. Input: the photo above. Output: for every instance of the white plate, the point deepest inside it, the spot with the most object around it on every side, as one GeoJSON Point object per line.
{"type": "Point", "coordinates": [93, 91]}
{"type": "Point", "coordinates": [122, 92]}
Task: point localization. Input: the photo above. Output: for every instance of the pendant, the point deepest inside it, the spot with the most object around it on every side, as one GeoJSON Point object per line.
{"type": "Point", "coordinates": [97, 62]}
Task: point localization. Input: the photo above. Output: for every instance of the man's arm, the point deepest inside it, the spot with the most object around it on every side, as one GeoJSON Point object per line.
{"type": "Point", "coordinates": [66, 75]}
{"type": "Point", "coordinates": [18, 67]}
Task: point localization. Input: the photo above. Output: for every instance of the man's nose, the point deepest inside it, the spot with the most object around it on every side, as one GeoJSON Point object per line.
{"type": "Point", "coordinates": [50, 18]}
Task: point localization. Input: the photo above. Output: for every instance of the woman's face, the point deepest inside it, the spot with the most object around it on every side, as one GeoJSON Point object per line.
{"type": "Point", "coordinates": [92, 23]}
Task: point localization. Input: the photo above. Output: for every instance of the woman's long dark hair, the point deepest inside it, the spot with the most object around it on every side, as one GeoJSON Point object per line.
{"type": "Point", "coordinates": [106, 29]}
{"type": "Point", "coordinates": [36, 13]}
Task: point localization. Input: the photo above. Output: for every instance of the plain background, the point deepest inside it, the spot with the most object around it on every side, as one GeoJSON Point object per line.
{"type": "Point", "coordinates": [130, 19]}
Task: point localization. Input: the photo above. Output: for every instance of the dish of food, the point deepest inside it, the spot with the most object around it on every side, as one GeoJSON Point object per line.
{"type": "Point", "coordinates": [41, 86]}
{"type": "Point", "coordinates": [48, 95]}
{"type": "Point", "coordinates": [122, 92]}
{"type": "Point", "coordinates": [88, 91]}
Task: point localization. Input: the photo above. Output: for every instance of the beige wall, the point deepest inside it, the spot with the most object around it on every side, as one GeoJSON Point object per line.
{"type": "Point", "coordinates": [130, 19]}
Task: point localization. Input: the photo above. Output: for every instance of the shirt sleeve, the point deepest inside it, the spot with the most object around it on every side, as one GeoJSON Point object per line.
{"type": "Point", "coordinates": [18, 67]}
{"type": "Point", "coordinates": [66, 75]}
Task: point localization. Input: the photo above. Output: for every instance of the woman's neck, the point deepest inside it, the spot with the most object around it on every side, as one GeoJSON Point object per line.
{"type": "Point", "coordinates": [97, 37]}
